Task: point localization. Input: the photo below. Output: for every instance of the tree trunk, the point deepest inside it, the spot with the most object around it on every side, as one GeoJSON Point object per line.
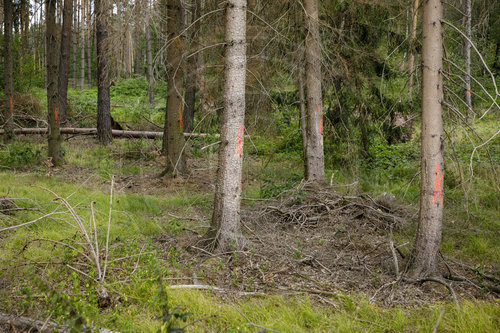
{"type": "Point", "coordinates": [82, 44]}
{"type": "Point", "coordinates": [75, 41]}
{"type": "Point", "coordinates": [54, 135]}
{"type": "Point", "coordinates": [8, 72]}
{"type": "Point", "coordinates": [90, 38]}
{"type": "Point", "coordinates": [428, 240]}
{"type": "Point", "coordinates": [151, 90]}
{"type": "Point", "coordinates": [413, 36]}
{"type": "Point", "coordinates": [496, 64]}
{"type": "Point", "coordinates": [64, 59]}
{"type": "Point", "coordinates": [192, 66]}
{"type": "Point", "coordinates": [137, 49]}
{"type": "Point", "coordinates": [103, 104]}
{"type": "Point", "coordinates": [467, 57]}
{"type": "Point", "coordinates": [225, 233]}
{"type": "Point", "coordinates": [173, 140]}
{"type": "Point", "coordinates": [303, 112]}
{"type": "Point", "coordinates": [315, 155]}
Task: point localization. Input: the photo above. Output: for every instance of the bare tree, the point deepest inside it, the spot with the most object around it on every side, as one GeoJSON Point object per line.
{"type": "Point", "coordinates": [413, 37]}
{"type": "Point", "coordinates": [8, 72]}
{"type": "Point", "coordinates": [54, 135]}
{"type": "Point", "coordinates": [104, 134]}
{"type": "Point", "coordinates": [173, 138]}
{"type": "Point", "coordinates": [225, 231]}
{"type": "Point", "coordinates": [151, 87]}
{"type": "Point", "coordinates": [428, 240]}
{"type": "Point", "coordinates": [82, 44]}
{"type": "Point", "coordinates": [64, 59]}
{"type": "Point", "coordinates": [314, 148]}
{"type": "Point", "coordinates": [75, 40]}
{"type": "Point", "coordinates": [467, 57]}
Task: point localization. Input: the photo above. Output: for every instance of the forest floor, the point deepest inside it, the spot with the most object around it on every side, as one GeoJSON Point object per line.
{"type": "Point", "coordinates": [332, 259]}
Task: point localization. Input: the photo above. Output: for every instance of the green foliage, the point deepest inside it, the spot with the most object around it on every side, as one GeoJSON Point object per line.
{"type": "Point", "coordinates": [19, 154]}
{"type": "Point", "coordinates": [271, 189]}
{"type": "Point", "coordinates": [386, 156]}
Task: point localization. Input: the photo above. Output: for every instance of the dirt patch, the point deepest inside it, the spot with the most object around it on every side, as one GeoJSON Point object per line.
{"type": "Point", "coordinates": [324, 244]}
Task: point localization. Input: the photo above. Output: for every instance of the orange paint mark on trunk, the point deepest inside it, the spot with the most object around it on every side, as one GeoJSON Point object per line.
{"type": "Point", "coordinates": [180, 117]}
{"type": "Point", "coordinates": [467, 90]}
{"type": "Point", "coordinates": [438, 186]}
{"type": "Point", "coordinates": [55, 114]}
{"type": "Point", "coordinates": [241, 130]}
{"type": "Point", "coordinates": [11, 107]}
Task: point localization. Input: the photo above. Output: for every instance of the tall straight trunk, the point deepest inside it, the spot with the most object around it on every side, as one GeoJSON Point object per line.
{"type": "Point", "coordinates": [225, 231]}
{"type": "Point", "coordinates": [173, 138]}
{"type": "Point", "coordinates": [104, 134]}
{"type": "Point", "coordinates": [54, 135]}
{"type": "Point", "coordinates": [137, 49]}
{"type": "Point", "coordinates": [82, 44]}
{"type": "Point", "coordinates": [8, 72]}
{"type": "Point", "coordinates": [303, 112]}
{"type": "Point", "coordinates": [467, 57]}
{"type": "Point", "coordinates": [315, 154]}
{"type": "Point", "coordinates": [428, 240]}
{"type": "Point", "coordinates": [151, 91]}
{"type": "Point", "coordinates": [90, 33]}
{"type": "Point", "coordinates": [192, 65]}
{"type": "Point", "coordinates": [64, 59]}
{"type": "Point", "coordinates": [117, 70]}
{"type": "Point", "coordinates": [413, 36]}
{"type": "Point", "coordinates": [25, 21]}
{"type": "Point", "coordinates": [75, 40]}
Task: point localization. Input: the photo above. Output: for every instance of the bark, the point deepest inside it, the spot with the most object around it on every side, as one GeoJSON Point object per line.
{"type": "Point", "coordinates": [8, 73]}
{"type": "Point", "coordinates": [151, 91]}
{"type": "Point", "coordinates": [104, 134]}
{"type": "Point", "coordinates": [467, 57]}
{"type": "Point", "coordinates": [303, 112]}
{"type": "Point", "coordinates": [428, 240]}
{"type": "Point", "coordinates": [315, 155]}
{"type": "Point", "coordinates": [137, 53]}
{"type": "Point", "coordinates": [54, 135]}
{"type": "Point", "coordinates": [225, 232]}
{"type": "Point", "coordinates": [82, 44]}
{"type": "Point", "coordinates": [64, 59]}
{"type": "Point", "coordinates": [173, 140]}
{"type": "Point", "coordinates": [75, 41]}
{"type": "Point", "coordinates": [413, 36]}
{"type": "Point", "coordinates": [192, 69]}
{"type": "Point", "coordinates": [89, 44]}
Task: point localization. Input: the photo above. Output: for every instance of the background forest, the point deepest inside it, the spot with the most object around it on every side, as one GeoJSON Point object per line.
{"type": "Point", "coordinates": [115, 120]}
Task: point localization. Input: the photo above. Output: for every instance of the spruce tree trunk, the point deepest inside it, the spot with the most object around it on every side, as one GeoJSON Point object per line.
{"type": "Point", "coordinates": [54, 135]}
{"type": "Point", "coordinates": [8, 73]}
{"type": "Point", "coordinates": [64, 60]}
{"type": "Point", "coordinates": [428, 240]}
{"type": "Point", "coordinates": [82, 44]}
{"type": "Point", "coordinates": [173, 138]}
{"type": "Point", "coordinates": [75, 40]}
{"type": "Point", "coordinates": [225, 232]}
{"type": "Point", "coordinates": [104, 134]}
{"type": "Point", "coordinates": [151, 91]}
{"type": "Point", "coordinates": [90, 38]}
{"type": "Point", "coordinates": [413, 36]}
{"type": "Point", "coordinates": [467, 56]}
{"type": "Point", "coordinates": [315, 155]}
{"type": "Point", "coordinates": [303, 112]}
{"type": "Point", "coordinates": [192, 69]}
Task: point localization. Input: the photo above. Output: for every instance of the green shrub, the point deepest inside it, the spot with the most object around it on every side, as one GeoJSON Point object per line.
{"type": "Point", "coordinates": [18, 154]}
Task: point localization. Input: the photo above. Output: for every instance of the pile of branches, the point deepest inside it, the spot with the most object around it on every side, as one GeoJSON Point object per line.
{"type": "Point", "coordinates": [306, 207]}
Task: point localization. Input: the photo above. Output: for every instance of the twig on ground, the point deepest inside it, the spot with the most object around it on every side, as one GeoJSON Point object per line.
{"type": "Point", "coordinates": [434, 330]}
{"type": "Point", "coordinates": [249, 321]}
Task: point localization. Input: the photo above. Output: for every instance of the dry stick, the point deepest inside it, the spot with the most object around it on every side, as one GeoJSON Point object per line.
{"type": "Point", "coordinates": [95, 227]}
{"type": "Point", "coordinates": [109, 225]}
{"type": "Point", "coordinates": [249, 321]}
{"type": "Point", "coordinates": [434, 330]}
{"type": "Point", "coordinates": [394, 256]}
{"type": "Point", "coordinates": [30, 222]}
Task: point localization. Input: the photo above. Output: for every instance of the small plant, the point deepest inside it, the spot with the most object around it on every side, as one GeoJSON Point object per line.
{"type": "Point", "coordinates": [19, 154]}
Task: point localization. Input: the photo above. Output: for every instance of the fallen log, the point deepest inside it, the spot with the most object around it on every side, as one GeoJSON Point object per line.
{"type": "Point", "coordinates": [25, 324]}
{"type": "Point", "coordinates": [116, 133]}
